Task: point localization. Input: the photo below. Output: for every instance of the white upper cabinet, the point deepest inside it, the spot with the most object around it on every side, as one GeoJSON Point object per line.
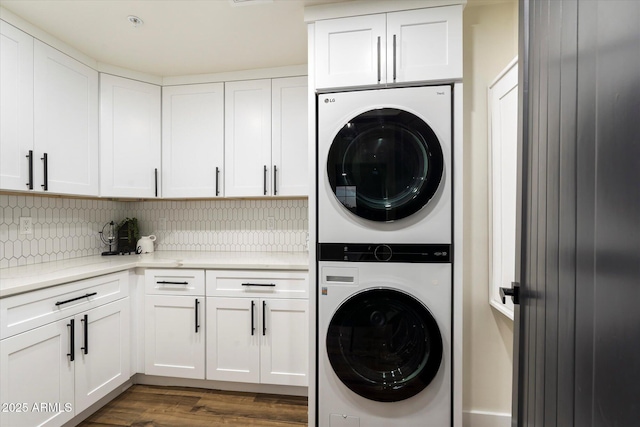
{"type": "Point", "coordinates": [266, 138]}
{"type": "Point", "coordinates": [247, 138]}
{"type": "Point", "coordinates": [351, 51]}
{"type": "Point", "coordinates": [65, 123]}
{"type": "Point", "coordinates": [289, 137]}
{"type": "Point", "coordinates": [129, 138]}
{"type": "Point", "coordinates": [397, 47]}
{"type": "Point", "coordinates": [193, 140]}
{"type": "Point", "coordinates": [49, 118]}
{"type": "Point", "coordinates": [16, 107]}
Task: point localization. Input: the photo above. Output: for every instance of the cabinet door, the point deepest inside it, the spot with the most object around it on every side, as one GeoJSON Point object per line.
{"type": "Point", "coordinates": [129, 138]}
{"type": "Point", "coordinates": [284, 349]}
{"type": "Point", "coordinates": [174, 336]}
{"type": "Point", "coordinates": [424, 44]}
{"type": "Point", "coordinates": [192, 140]}
{"type": "Point", "coordinates": [35, 370]}
{"type": "Point", "coordinates": [289, 142]}
{"type": "Point", "coordinates": [350, 51]}
{"type": "Point", "coordinates": [16, 107]}
{"type": "Point", "coordinates": [102, 352]}
{"type": "Point", "coordinates": [65, 123]}
{"type": "Point", "coordinates": [233, 340]}
{"type": "Point", "coordinates": [247, 138]}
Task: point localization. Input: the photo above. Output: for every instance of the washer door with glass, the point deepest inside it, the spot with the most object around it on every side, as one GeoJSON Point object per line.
{"type": "Point", "coordinates": [384, 345]}
{"type": "Point", "coordinates": [385, 164]}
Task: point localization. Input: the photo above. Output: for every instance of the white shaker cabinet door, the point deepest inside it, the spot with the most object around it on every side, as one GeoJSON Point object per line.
{"type": "Point", "coordinates": [193, 140]}
{"type": "Point", "coordinates": [16, 108]}
{"type": "Point", "coordinates": [65, 123]}
{"type": "Point", "coordinates": [233, 339]}
{"type": "Point", "coordinates": [174, 336]}
{"type": "Point", "coordinates": [247, 138]}
{"type": "Point", "coordinates": [285, 342]}
{"type": "Point", "coordinates": [129, 138]}
{"type": "Point", "coordinates": [35, 369]}
{"type": "Point", "coordinates": [290, 169]}
{"type": "Point", "coordinates": [102, 352]}
{"type": "Point", "coordinates": [424, 44]}
{"type": "Point", "coordinates": [350, 51]}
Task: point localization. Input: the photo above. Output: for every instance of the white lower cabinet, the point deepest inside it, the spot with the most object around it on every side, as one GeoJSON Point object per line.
{"type": "Point", "coordinates": [102, 356]}
{"type": "Point", "coordinates": [174, 323]}
{"type": "Point", "coordinates": [35, 370]}
{"type": "Point", "coordinates": [255, 338]}
{"type": "Point", "coordinates": [284, 348]}
{"type": "Point", "coordinates": [174, 336]}
{"type": "Point", "coordinates": [52, 372]}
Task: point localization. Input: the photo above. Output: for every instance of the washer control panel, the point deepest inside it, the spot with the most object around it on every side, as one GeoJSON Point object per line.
{"type": "Point", "coordinates": [365, 252]}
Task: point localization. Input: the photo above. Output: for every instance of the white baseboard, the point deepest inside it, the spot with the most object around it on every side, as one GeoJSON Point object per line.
{"type": "Point", "coordinates": [485, 419]}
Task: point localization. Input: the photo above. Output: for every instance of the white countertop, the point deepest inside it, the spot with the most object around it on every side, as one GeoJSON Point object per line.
{"type": "Point", "coordinates": [16, 280]}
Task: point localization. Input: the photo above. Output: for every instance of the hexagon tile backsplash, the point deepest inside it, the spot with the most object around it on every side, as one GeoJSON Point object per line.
{"type": "Point", "coordinates": [68, 228]}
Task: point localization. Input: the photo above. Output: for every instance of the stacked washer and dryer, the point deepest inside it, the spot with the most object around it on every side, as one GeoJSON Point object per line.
{"type": "Point", "coordinates": [384, 257]}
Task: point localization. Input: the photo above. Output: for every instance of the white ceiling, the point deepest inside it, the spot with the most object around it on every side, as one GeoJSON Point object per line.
{"type": "Point", "coordinates": [178, 37]}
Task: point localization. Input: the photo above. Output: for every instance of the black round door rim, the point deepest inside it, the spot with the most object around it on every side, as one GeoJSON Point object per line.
{"type": "Point", "coordinates": [384, 345]}
{"type": "Point", "coordinates": [385, 164]}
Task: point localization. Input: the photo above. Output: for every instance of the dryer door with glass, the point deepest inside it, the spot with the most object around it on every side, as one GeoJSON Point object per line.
{"type": "Point", "coordinates": [385, 164]}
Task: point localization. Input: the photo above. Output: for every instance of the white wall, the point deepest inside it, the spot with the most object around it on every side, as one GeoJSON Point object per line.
{"type": "Point", "coordinates": [490, 43]}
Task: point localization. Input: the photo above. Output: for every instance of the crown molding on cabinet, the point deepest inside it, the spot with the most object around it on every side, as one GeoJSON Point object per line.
{"type": "Point", "coordinates": [46, 38]}
{"type": "Point", "coordinates": [368, 7]}
{"type": "Point", "coordinates": [260, 73]}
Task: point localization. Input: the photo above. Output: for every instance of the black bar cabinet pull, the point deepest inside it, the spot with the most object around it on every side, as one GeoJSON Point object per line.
{"type": "Point", "coordinates": [379, 59]}
{"type": "Point", "coordinates": [155, 172]}
{"type": "Point", "coordinates": [45, 160]}
{"type": "Point", "coordinates": [265, 180]}
{"type": "Point", "coordinates": [85, 321]}
{"type": "Point", "coordinates": [77, 298]}
{"type": "Point", "coordinates": [217, 181]}
{"type": "Point", "coordinates": [259, 284]}
{"type": "Point", "coordinates": [197, 322]}
{"type": "Point", "coordinates": [275, 177]}
{"type": "Point", "coordinates": [30, 157]}
{"type": "Point", "coordinates": [264, 318]}
{"type": "Point", "coordinates": [164, 282]}
{"type": "Point", "coordinates": [394, 57]}
{"type": "Point", "coordinates": [253, 328]}
{"type": "Point", "coordinates": [72, 341]}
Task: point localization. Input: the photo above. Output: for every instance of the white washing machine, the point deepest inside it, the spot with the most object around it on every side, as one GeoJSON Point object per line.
{"type": "Point", "coordinates": [385, 166]}
{"type": "Point", "coordinates": [384, 336]}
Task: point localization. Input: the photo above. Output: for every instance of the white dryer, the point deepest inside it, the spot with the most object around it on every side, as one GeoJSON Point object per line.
{"type": "Point", "coordinates": [385, 166]}
{"type": "Point", "coordinates": [384, 336]}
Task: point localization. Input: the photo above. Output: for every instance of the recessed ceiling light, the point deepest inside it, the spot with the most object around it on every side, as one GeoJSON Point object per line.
{"type": "Point", "coordinates": [135, 21]}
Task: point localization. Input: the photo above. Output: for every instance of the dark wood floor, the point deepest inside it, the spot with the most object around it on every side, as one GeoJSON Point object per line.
{"type": "Point", "coordinates": [153, 406]}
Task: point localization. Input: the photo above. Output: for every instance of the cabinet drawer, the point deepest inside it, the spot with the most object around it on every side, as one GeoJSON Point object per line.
{"type": "Point", "coordinates": [258, 283]}
{"type": "Point", "coordinates": [174, 282]}
{"type": "Point", "coordinates": [33, 309]}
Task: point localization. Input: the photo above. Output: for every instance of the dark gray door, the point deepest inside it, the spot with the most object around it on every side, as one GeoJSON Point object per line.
{"type": "Point", "coordinates": [577, 346]}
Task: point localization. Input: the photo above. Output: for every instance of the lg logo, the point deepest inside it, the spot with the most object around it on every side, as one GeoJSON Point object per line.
{"type": "Point", "coordinates": [328, 100]}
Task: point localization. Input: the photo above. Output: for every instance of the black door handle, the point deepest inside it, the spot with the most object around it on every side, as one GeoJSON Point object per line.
{"type": "Point", "coordinates": [264, 318]}
{"type": "Point", "coordinates": [85, 321]}
{"type": "Point", "coordinates": [513, 292]}
{"type": "Point", "coordinates": [197, 322]}
{"type": "Point", "coordinates": [217, 180]}
{"type": "Point", "coordinates": [45, 161]}
{"type": "Point", "coordinates": [30, 157]}
{"type": "Point", "coordinates": [72, 341]}
{"type": "Point", "coordinates": [253, 328]}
